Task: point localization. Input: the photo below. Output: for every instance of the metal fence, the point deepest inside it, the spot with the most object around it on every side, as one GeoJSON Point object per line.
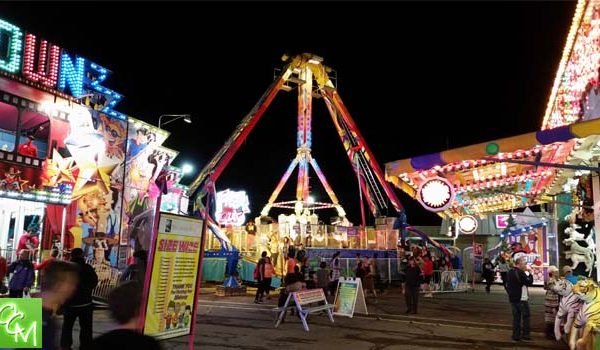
{"type": "Point", "coordinates": [449, 281]}
{"type": "Point", "coordinates": [108, 279]}
{"type": "Point", "coordinates": [391, 269]}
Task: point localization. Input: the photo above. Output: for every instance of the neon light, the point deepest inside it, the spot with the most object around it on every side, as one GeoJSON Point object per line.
{"type": "Point", "coordinates": [15, 46]}
{"type": "Point", "coordinates": [111, 96]}
{"type": "Point", "coordinates": [468, 224]}
{"type": "Point", "coordinates": [47, 74]}
{"type": "Point", "coordinates": [436, 194]}
{"type": "Point", "coordinates": [232, 207]}
{"type": "Point", "coordinates": [72, 74]}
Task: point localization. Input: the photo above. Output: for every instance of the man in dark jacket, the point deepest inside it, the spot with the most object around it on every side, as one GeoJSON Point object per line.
{"type": "Point", "coordinates": [411, 285]}
{"type": "Point", "coordinates": [80, 305]}
{"type": "Point", "coordinates": [22, 275]}
{"type": "Point", "coordinates": [518, 279]}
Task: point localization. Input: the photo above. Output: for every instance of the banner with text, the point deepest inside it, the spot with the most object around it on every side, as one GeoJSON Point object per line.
{"type": "Point", "coordinates": [349, 298]}
{"type": "Point", "coordinates": [174, 273]}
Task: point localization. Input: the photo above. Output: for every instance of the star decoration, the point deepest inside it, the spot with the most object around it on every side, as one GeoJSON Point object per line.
{"type": "Point", "coordinates": [65, 167]}
{"type": "Point", "coordinates": [91, 178]}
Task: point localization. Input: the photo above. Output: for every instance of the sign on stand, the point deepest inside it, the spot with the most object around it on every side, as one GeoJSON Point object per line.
{"type": "Point", "coordinates": [350, 297]}
{"type": "Point", "coordinates": [173, 279]}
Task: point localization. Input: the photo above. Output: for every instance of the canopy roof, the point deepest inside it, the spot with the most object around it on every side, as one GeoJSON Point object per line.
{"type": "Point", "coordinates": [570, 135]}
{"type": "Point", "coordinates": [487, 183]}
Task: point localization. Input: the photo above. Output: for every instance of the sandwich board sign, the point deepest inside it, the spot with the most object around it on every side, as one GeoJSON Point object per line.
{"type": "Point", "coordinates": [349, 298]}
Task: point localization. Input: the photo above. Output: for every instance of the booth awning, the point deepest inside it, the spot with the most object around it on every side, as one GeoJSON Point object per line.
{"type": "Point", "coordinates": [483, 178]}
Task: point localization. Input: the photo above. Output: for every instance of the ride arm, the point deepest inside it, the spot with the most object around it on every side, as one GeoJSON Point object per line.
{"type": "Point", "coordinates": [220, 160]}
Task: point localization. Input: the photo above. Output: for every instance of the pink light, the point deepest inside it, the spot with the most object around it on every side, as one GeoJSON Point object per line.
{"type": "Point", "coordinates": [47, 77]}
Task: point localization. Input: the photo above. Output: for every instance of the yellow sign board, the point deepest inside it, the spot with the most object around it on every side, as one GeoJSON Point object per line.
{"type": "Point", "coordinates": [174, 277]}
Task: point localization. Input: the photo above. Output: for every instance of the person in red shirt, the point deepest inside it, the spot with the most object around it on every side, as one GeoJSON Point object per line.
{"type": "Point", "coordinates": [30, 241]}
{"type": "Point", "coordinates": [427, 274]}
{"type": "Point", "coordinates": [48, 260]}
{"type": "Point", "coordinates": [28, 148]}
{"type": "Point", "coordinates": [42, 266]}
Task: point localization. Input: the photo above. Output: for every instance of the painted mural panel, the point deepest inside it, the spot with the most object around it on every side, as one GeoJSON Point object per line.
{"type": "Point", "coordinates": [144, 165]}
{"type": "Point", "coordinates": [52, 183]}
{"type": "Point", "coordinates": [97, 145]}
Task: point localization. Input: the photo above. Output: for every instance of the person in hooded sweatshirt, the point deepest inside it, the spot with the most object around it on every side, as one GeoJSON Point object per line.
{"type": "Point", "coordinates": [80, 305]}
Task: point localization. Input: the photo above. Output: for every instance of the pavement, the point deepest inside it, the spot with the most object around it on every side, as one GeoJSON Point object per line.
{"type": "Point", "coordinates": [473, 320]}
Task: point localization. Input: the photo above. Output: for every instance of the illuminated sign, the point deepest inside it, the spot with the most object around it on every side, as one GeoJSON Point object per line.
{"type": "Point", "coordinates": [468, 224]}
{"type": "Point", "coordinates": [52, 67]}
{"type": "Point", "coordinates": [232, 207]}
{"type": "Point", "coordinates": [502, 220]}
{"type": "Point", "coordinates": [435, 194]}
{"type": "Point", "coordinates": [21, 323]}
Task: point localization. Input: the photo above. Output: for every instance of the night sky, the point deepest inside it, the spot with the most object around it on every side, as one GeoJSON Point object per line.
{"type": "Point", "coordinates": [417, 78]}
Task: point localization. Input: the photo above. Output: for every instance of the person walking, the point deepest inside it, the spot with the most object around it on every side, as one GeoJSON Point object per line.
{"type": "Point", "coordinates": [80, 305]}
{"type": "Point", "coordinates": [126, 313]}
{"type": "Point", "coordinates": [22, 276]}
{"type": "Point", "coordinates": [488, 273]}
{"type": "Point", "coordinates": [518, 279]}
{"type": "Point", "coordinates": [427, 274]}
{"type": "Point", "coordinates": [59, 283]}
{"type": "Point", "coordinates": [503, 268]}
{"type": "Point", "coordinates": [411, 285]}
{"type": "Point", "coordinates": [259, 276]}
{"type": "Point", "coordinates": [269, 273]}
{"type": "Point", "coordinates": [369, 279]}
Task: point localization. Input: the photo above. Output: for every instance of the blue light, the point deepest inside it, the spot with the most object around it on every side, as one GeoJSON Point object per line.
{"type": "Point", "coordinates": [15, 47]}
{"type": "Point", "coordinates": [112, 97]}
{"type": "Point", "coordinates": [71, 74]}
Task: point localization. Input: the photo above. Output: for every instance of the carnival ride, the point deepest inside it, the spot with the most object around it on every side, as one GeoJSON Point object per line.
{"type": "Point", "coordinates": [312, 79]}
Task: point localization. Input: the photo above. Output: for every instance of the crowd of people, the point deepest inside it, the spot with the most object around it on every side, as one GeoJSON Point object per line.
{"type": "Point", "coordinates": [66, 289]}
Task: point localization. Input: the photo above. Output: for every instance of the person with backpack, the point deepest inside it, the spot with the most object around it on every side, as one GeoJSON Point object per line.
{"type": "Point", "coordinates": [22, 275]}
{"type": "Point", "coordinates": [259, 276]}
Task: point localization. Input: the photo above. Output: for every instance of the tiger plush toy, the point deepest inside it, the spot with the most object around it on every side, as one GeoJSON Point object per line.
{"type": "Point", "coordinates": [582, 334]}
{"type": "Point", "coordinates": [569, 307]}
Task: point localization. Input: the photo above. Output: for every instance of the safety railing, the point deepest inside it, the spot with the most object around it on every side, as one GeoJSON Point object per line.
{"type": "Point", "coordinates": [449, 281]}
{"type": "Point", "coordinates": [108, 279]}
{"type": "Point", "coordinates": [389, 269]}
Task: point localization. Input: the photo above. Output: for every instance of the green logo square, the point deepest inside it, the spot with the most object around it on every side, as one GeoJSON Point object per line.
{"type": "Point", "coordinates": [21, 323]}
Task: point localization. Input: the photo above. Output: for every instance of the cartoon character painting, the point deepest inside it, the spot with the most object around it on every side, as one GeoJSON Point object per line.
{"type": "Point", "coordinates": [187, 316]}
{"type": "Point", "coordinates": [170, 315]}
{"type": "Point", "coordinates": [113, 133]}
